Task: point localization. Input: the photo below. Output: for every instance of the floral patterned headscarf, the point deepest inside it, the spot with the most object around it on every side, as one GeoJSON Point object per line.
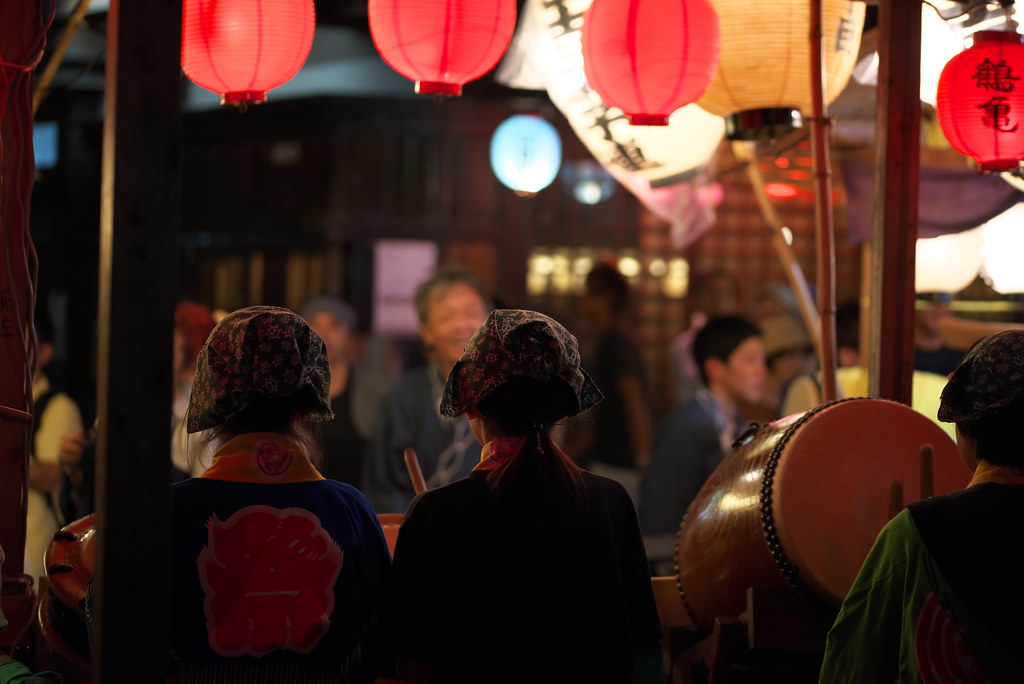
{"type": "Point", "coordinates": [515, 343]}
{"type": "Point", "coordinates": [260, 352]}
{"type": "Point", "coordinates": [989, 378]}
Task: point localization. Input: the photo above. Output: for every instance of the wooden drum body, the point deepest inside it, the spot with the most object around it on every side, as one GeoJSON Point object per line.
{"type": "Point", "coordinates": [798, 504]}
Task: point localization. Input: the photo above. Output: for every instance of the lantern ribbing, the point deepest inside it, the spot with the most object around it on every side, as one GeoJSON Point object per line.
{"type": "Point", "coordinates": [650, 57]}
{"type": "Point", "coordinates": [441, 44]}
{"type": "Point", "coordinates": [243, 48]}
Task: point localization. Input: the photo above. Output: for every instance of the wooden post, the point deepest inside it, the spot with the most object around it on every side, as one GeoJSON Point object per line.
{"type": "Point", "coordinates": [139, 219]}
{"type": "Point", "coordinates": [897, 158]}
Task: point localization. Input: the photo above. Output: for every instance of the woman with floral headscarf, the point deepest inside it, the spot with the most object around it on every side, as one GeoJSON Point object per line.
{"type": "Point", "coordinates": [938, 598]}
{"type": "Point", "coordinates": [529, 569]}
{"type": "Point", "coordinates": [278, 572]}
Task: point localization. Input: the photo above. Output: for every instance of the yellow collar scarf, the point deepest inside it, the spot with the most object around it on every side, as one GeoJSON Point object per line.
{"type": "Point", "coordinates": [261, 457]}
{"type": "Point", "coordinates": [987, 472]}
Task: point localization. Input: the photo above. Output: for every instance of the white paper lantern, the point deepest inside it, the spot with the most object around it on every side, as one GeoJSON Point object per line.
{"type": "Point", "coordinates": [940, 42]}
{"type": "Point", "coordinates": [765, 63]}
{"type": "Point", "coordinates": [1015, 181]}
{"type": "Point", "coordinates": [948, 263]}
{"type": "Point", "coordinates": [526, 153]}
{"type": "Point", "coordinates": [1002, 250]}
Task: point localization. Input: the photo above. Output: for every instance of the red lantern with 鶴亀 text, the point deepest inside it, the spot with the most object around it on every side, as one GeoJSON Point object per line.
{"type": "Point", "coordinates": [981, 101]}
{"type": "Point", "coordinates": [650, 57]}
{"type": "Point", "coordinates": [442, 44]}
{"type": "Point", "coordinates": [243, 48]}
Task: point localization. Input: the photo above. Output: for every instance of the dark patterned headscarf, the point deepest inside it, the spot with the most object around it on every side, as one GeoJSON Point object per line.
{"type": "Point", "coordinates": [260, 352]}
{"type": "Point", "coordinates": [514, 343]}
{"type": "Point", "coordinates": [989, 378]}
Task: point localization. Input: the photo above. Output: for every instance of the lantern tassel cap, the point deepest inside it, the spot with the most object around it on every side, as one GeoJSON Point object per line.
{"type": "Point", "coordinates": [439, 88]}
{"type": "Point", "coordinates": [244, 98]}
{"type": "Point", "coordinates": [647, 119]}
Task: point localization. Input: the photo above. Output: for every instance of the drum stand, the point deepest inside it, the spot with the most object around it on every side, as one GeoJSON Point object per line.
{"type": "Point", "coordinates": [779, 638]}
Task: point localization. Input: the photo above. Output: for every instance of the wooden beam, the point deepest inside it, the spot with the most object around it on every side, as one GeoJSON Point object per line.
{"type": "Point", "coordinates": [139, 219]}
{"type": "Point", "coordinates": [898, 126]}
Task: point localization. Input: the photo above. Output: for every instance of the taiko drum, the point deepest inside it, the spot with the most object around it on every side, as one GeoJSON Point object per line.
{"type": "Point", "coordinates": [798, 503]}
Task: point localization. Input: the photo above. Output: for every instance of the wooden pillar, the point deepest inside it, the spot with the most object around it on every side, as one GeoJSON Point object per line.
{"type": "Point", "coordinates": [897, 154]}
{"type": "Point", "coordinates": [139, 219]}
{"type": "Point", "coordinates": [22, 35]}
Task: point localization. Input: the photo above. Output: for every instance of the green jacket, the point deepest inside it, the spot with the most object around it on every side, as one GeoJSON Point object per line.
{"type": "Point", "coordinates": [903, 620]}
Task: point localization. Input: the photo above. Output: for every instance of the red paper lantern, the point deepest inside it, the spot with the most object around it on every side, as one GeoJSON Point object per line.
{"type": "Point", "coordinates": [243, 48]}
{"type": "Point", "coordinates": [650, 57]}
{"type": "Point", "coordinates": [981, 100]}
{"type": "Point", "coordinates": [442, 44]}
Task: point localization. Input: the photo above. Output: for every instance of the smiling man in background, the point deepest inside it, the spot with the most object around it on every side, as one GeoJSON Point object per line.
{"type": "Point", "coordinates": [451, 305]}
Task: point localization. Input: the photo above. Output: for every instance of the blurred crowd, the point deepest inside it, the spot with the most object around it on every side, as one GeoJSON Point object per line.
{"type": "Point", "coordinates": [575, 464]}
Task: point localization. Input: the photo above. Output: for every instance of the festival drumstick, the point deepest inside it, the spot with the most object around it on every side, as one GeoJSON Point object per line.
{"type": "Point", "coordinates": [412, 464]}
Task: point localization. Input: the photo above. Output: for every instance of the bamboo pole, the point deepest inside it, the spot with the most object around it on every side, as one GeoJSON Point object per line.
{"type": "Point", "coordinates": [745, 151]}
{"type": "Point", "coordinates": [59, 50]}
{"type": "Point", "coordinates": [823, 210]}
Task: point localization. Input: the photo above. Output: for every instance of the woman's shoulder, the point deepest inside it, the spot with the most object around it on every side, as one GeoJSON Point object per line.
{"type": "Point", "coordinates": [604, 487]}
{"type": "Point", "coordinates": [312, 493]}
{"type": "Point", "coordinates": [454, 494]}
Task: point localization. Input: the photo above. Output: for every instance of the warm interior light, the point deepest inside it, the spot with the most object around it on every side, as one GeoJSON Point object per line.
{"type": "Point", "coordinates": [780, 190]}
{"type": "Point", "coordinates": [629, 267]}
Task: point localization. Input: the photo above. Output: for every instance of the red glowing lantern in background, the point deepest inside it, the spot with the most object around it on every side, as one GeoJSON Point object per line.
{"type": "Point", "coordinates": [981, 101]}
{"type": "Point", "coordinates": [442, 44]}
{"type": "Point", "coordinates": [243, 48]}
{"type": "Point", "coordinates": [650, 57]}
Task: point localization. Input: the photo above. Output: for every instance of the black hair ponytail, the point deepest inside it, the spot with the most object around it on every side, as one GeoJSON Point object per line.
{"type": "Point", "coordinates": [541, 478]}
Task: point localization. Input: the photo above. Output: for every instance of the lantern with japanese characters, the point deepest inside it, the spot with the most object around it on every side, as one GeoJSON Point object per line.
{"type": "Point", "coordinates": [243, 48]}
{"type": "Point", "coordinates": [650, 57]}
{"type": "Point", "coordinates": [763, 80]}
{"type": "Point", "coordinates": [442, 44]}
{"type": "Point", "coordinates": [981, 101]}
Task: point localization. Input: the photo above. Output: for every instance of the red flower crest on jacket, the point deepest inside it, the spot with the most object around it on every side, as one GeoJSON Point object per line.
{"type": "Point", "coordinates": [268, 575]}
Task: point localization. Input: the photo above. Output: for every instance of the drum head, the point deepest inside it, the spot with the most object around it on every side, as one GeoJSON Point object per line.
{"type": "Point", "coordinates": [70, 562]}
{"type": "Point", "coordinates": [832, 486]}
